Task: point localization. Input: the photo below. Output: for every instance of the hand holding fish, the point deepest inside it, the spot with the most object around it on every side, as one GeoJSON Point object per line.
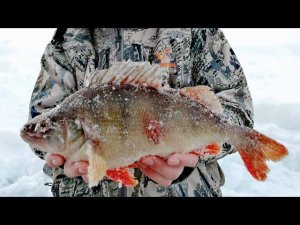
{"type": "Point", "coordinates": [161, 171]}
{"type": "Point", "coordinates": [71, 169]}
{"type": "Point", "coordinates": [164, 172]}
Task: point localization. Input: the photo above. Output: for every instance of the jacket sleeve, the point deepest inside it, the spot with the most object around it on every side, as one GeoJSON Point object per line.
{"type": "Point", "coordinates": [216, 65]}
{"type": "Point", "coordinates": [63, 68]}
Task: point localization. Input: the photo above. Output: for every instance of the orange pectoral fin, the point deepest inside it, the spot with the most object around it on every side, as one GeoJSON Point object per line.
{"type": "Point", "coordinates": [123, 176]}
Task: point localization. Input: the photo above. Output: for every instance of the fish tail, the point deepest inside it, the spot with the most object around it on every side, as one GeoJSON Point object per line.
{"type": "Point", "coordinates": [260, 149]}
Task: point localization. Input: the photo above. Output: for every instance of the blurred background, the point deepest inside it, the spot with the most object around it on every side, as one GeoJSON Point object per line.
{"type": "Point", "coordinates": [269, 57]}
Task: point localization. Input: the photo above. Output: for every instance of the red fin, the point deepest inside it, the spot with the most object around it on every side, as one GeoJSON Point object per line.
{"type": "Point", "coordinates": [195, 153]}
{"type": "Point", "coordinates": [153, 129]}
{"type": "Point", "coordinates": [263, 148]}
{"type": "Point", "coordinates": [133, 165]}
{"type": "Point", "coordinates": [122, 176]}
{"type": "Point", "coordinates": [204, 95]}
{"type": "Point", "coordinates": [211, 149]}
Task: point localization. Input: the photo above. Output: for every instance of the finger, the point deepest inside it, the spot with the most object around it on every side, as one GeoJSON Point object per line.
{"type": "Point", "coordinates": [185, 160]}
{"type": "Point", "coordinates": [85, 178]}
{"type": "Point", "coordinates": [161, 166]}
{"type": "Point", "coordinates": [54, 160]}
{"type": "Point", "coordinates": [161, 180]}
{"type": "Point", "coordinates": [75, 169]}
{"type": "Point", "coordinates": [82, 167]}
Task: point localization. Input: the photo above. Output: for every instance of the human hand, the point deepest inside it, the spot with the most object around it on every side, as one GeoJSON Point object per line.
{"type": "Point", "coordinates": [71, 169]}
{"type": "Point", "coordinates": [163, 171]}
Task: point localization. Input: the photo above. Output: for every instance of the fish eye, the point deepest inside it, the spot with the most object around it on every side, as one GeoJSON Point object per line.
{"type": "Point", "coordinates": [43, 124]}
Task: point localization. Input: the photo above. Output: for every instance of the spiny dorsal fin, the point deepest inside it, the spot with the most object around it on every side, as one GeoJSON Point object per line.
{"type": "Point", "coordinates": [204, 95]}
{"type": "Point", "coordinates": [138, 73]}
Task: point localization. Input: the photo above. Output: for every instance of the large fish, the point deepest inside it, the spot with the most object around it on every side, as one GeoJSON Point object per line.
{"type": "Point", "coordinates": [125, 113]}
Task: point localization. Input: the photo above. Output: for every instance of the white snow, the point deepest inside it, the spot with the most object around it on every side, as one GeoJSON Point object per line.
{"type": "Point", "coordinates": [270, 59]}
{"type": "Point", "coordinates": [20, 53]}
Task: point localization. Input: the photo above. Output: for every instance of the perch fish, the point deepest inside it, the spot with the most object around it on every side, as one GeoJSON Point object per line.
{"type": "Point", "coordinates": [125, 113]}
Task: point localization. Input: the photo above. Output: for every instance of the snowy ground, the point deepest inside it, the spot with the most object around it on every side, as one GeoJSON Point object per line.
{"type": "Point", "coordinates": [271, 61]}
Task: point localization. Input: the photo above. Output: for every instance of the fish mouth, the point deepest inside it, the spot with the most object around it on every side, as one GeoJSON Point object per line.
{"type": "Point", "coordinates": [29, 135]}
{"type": "Point", "coordinates": [32, 138]}
{"type": "Point", "coordinates": [32, 135]}
{"type": "Point", "coordinates": [35, 140]}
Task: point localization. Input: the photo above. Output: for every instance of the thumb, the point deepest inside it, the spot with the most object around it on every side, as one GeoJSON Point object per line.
{"type": "Point", "coordinates": [54, 160]}
{"type": "Point", "coordinates": [186, 160]}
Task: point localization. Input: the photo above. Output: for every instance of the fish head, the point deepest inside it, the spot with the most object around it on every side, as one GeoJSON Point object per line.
{"type": "Point", "coordinates": [53, 134]}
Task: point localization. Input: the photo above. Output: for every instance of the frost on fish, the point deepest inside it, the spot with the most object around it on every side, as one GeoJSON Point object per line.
{"type": "Point", "coordinates": [125, 113]}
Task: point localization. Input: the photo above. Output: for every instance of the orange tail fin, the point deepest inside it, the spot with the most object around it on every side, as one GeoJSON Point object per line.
{"type": "Point", "coordinates": [261, 149]}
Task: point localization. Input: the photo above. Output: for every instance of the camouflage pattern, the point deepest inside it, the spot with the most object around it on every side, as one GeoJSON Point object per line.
{"type": "Point", "coordinates": [193, 57]}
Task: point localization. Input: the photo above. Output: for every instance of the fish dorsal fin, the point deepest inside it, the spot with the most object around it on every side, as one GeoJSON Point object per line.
{"type": "Point", "coordinates": [137, 73]}
{"type": "Point", "coordinates": [204, 95]}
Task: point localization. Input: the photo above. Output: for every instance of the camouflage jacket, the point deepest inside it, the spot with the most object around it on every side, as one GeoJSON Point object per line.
{"type": "Point", "coordinates": [193, 57]}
